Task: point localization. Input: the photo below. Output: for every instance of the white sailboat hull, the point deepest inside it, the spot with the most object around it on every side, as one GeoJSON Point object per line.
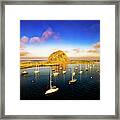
{"type": "Point", "coordinates": [72, 81]}
{"type": "Point", "coordinates": [81, 72]}
{"type": "Point", "coordinates": [51, 90]}
{"type": "Point", "coordinates": [36, 71]}
{"type": "Point", "coordinates": [64, 72]}
{"type": "Point", "coordinates": [55, 74]}
{"type": "Point", "coordinates": [24, 73]}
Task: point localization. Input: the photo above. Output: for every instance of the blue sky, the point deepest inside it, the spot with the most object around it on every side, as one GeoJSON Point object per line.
{"type": "Point", "coordinates": [60, 33]}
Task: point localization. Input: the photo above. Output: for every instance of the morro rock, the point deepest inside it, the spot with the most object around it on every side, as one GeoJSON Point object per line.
{"type": "Point", "coordinates": [58, 57]}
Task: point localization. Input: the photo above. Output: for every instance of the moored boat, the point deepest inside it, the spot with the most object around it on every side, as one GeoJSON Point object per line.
{"type": "Point", "coordinates": [24, 73]}
{"type": "Point", "coordinates": [52, 89]}
{"type": "Point", "coordinates": [73, 79]}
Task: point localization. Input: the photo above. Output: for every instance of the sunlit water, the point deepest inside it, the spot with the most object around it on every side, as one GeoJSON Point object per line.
{"type": "Point", "coordinates": [87, 87]}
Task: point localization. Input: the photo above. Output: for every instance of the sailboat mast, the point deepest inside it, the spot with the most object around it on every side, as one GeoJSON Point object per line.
{"type": "Point", "coordinates": [72, 73]}
{"type": "Point", "coordinates": [50, 79]}
{"type": "Point", "coordinates": [72, 76]}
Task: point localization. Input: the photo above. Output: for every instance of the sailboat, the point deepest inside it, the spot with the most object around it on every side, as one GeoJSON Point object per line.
{"type": "Point", "coordinates": [64, 71]}
{"type": "Point", "coordinates": [73, 79]}
{"type": "Point", "coordinates": [60, 68]}
{"type": "Point", "coordinates": [76, 68]}
{"type": "Point", "coordinates": [55, 74]}
{"type": "Point", "coordinates": [81, 71]}
{"type": "Point", "coordinates": [53, 69]}
{"type": "Point", "coordinates": [36, 70]}
{"type": "Point", "coordinates": [24, 72]}
{"type": "Point", "coordinates": [86, 68]}
{"type": "Point", "coordinates": [52, 89]}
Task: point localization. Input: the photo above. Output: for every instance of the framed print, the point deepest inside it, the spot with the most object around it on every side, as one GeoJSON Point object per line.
{"type": "Point", "coordinates": [52, 59]}
{"type": "Point", "coordinates": [60, 59]}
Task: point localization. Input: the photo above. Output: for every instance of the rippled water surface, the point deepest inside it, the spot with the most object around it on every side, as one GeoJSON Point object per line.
{"type": "Point", "coordinates": [87, 87]}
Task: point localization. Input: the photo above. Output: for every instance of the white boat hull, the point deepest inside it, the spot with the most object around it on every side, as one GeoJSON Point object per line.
{"type": "Point", "coordinates": [24, 73]}
{"type": "Point", "coordinates": [72, 81]}
{"type": "Point", "coordinates": [64, 72]}
{"type": "Point", "coordinates": [81, 72]}
{"type": "Point", "coordinates": [51, 90]}
{"type": "Point", "coordinates": [55, 74]}
{"type": "Point", "coordinates": [36, 71]}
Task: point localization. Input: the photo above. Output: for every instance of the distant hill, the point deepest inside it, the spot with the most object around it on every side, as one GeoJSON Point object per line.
{"type": "Point", "coordinates": [58, 57]}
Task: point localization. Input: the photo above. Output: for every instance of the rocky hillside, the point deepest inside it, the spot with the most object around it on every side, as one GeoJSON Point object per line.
{"type": "Point", "coordinates": [58, 57]}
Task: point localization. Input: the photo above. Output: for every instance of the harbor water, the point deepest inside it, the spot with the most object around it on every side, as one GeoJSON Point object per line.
{"type": "Point", "coordinates": [33, 86]}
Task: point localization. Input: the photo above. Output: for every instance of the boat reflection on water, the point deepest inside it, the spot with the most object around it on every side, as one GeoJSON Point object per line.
{"type": "Point", "coordinates": [36, 71]}
{"type": "Point", "coordinates": [36, 77]}
{"type": "Point", "coordinates": [36, 74]}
